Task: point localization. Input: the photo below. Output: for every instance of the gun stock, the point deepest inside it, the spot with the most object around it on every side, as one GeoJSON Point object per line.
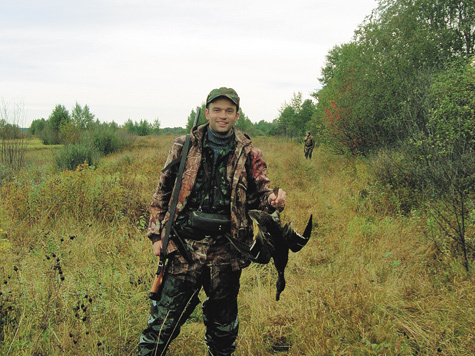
{"type": "Point", "coordinates": [157, 282]}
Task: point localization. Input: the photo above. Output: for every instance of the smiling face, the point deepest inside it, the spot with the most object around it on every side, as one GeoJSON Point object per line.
{"type": "Point", "coordinates": [222, 114]}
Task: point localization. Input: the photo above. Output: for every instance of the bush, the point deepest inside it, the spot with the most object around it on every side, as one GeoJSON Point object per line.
{"type": "Point", "coordinates": [49, 137]}
{"type": "Point", "coordinates": [397, 181]}
{"type": "Point", "coordinates": [105, 139]}
{"type": "Point", "coordinates": [445, 156]}
{"type": "Point", "coordinates": [71, 156]}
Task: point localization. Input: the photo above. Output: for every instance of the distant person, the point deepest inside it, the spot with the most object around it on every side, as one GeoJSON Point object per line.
{"type": "Point", "coordinates": [225, 176]}
{"type": "Point", "coordinates": [309, 145]}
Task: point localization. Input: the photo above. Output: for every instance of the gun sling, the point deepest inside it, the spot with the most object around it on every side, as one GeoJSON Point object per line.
{"type": "Point", "coordinates": [154, 294]}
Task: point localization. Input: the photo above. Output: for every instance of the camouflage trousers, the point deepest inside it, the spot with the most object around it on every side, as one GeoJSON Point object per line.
{"type": "Point", "coordinates": [178, 299]}
{"type": "Point", "coordinates": [308, 152]}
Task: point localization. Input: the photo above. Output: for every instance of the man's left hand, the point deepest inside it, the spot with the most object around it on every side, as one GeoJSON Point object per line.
{"type": "Point", "coordinates": [278, 201]}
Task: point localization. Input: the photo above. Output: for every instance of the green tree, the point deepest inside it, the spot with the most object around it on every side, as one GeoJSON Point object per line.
{"type": "Point", "coordinates": [244, 123]}
{"type": "Point", "coordinates": [51, 133]}
{"type": "Point", "coordinates": [263, 128]}
{"type": "Point", "coordinates": [113, 125]}
{"type": "Point", "coordinates": [306, 115]}
{"type": "Point", "coordinates": [37, 126]}
{"type": "Point", "coordinates": [82, 117]}
{"type": "Point", "coordinates": [60, 115]}
{"type": "Point", "coordinates": [156, 127]}
{"type": "Point", "coordinates": [129, 126]}
{"type": "Point", "coordinates": [453, 24]}
{"type": "Point", "coordinates": [143, 128]}
{"type": "Point", "coordinates": [285, 121]}
{"type": "Point", "coordinates": [69, 133]}
{"type": "Point", "coordinates": [295, 117]}
{"type": "Point", "coordinates": [445, 156]}
{"type": "Point", "coordinates": [372, 89]}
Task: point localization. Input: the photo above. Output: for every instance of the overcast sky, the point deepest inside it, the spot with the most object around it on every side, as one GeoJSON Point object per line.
{"type": "Point", "coordinates": [158, 59]}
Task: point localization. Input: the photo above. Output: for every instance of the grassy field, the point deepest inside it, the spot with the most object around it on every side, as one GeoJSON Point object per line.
{"type": "Point", "coordinates": [76, 266]}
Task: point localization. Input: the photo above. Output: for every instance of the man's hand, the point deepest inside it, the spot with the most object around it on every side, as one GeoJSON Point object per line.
{"type": "Point", "coordinates": [278, 198]}
{"type": "Point", "coordinates": [157, 246]}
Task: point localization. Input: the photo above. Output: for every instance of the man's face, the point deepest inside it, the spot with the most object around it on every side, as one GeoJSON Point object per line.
{"type": "Point", "coordinates": [222, 115]}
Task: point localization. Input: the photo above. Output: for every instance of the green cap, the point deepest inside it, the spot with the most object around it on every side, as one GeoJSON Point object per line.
{"type": "Point", "coordinates": [229, 93]}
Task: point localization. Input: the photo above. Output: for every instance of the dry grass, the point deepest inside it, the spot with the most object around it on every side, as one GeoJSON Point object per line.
{"type": "Point", "coordinates": [366, 283]}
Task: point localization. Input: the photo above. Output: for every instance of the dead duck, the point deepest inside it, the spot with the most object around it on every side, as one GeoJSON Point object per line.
{"type": "Point", "coordinates": [271, 239]}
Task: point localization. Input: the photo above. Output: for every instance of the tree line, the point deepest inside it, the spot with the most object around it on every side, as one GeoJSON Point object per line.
{"type": "Point", "coordinates": [63, 127]}
{"type": "Point", "coordinates": [294, 119]}
{"type": "Point", "coordinates": [402, 94]}
{"type": "Point", "coordinates": [401, 70]}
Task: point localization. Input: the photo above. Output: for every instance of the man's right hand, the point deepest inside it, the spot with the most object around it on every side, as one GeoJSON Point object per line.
{"type": "Point", "coordinates": [157, 246]}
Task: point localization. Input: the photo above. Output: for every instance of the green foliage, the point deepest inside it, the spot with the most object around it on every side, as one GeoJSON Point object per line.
{"type": "Point", "coordinates": [62, 128]}
{"type": "Point", "coordinates": [102, 140]}
{"type": "Point", "coordinates": [284, 123]}
{"type": "Point", "coordinates": [82, 117]}
{"type": "Point", "coordinates": [69, 133]}
{"type": "Point", "coordinates": [175, 131]}
{"type": "Point", "coordinates": [142, 128]}
{"type": "Point", "coordinates": [49, 131]}
{"type": "Point", "coordinates": [263, 128]}
{"type": "Point", "coordinates": [10, 131]}
{"type": "Point", "coordinates": [37, 126]}
{"type": "Point", "coordinates": [106, 139]}
{"type": "Point", "coordinates": [73, 155]}
{"type": "Point", "coordinates": [445, 155]}
{"type": "Point", "coordinates": [88, 139]}
{"type": "Point", "coordinates": [295, 118]}
{"type": "Point", "coordinates": [48, 136]}
{"type": "Point", "coordinates": [245, 124]}
{"type": "Point", "coordinates": [451, 125]}
{"type": "Point", "coordinates": [372, 94]}
{"type": "Point", "coordinates": [397, 187]}
{"type": "Point", "coordinates": [58, 117]}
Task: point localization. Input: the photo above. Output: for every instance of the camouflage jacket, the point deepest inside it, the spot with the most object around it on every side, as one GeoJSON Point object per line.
{"type": "Point", "coordinates": [309, 143]}
{"type": "Point", "coordinates": [246, 171]}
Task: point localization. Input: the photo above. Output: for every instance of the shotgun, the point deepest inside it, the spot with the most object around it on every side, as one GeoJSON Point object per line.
{"type": "Point", "coordinates": [158, 279]}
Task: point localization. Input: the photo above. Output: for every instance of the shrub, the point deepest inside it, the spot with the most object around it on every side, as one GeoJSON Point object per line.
{"type": "Point", "coordinates": [445, 155]}
{"type": "Point", "coordinates": [49, 137]}
{"type": "Point", "coordinates": [105, 139]}
{"type": "Point", "coordinates": [397, 181]}
{"type": "Point", "coordinates": [71, 156]}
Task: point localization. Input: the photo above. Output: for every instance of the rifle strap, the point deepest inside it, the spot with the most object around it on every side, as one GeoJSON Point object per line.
{"type": "Point", "coordinates": [176, 192]}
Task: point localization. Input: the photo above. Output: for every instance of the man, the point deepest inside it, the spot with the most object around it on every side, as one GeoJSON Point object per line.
{"type": "Point", "coordinates": [309, 145]}
{"type": "Point", "coordinates": [225, 176]}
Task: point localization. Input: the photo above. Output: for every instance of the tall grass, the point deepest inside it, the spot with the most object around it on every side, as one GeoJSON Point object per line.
{"type": "Point", "coordinates": [75, 279]}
